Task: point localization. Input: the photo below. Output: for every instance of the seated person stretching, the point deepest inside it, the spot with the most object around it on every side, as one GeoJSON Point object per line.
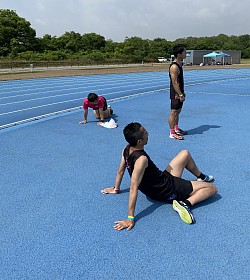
{"type": "Point", "coordinates": [159, 185]}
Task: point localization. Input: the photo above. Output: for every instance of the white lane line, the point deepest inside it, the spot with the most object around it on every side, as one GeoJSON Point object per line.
{"type": "Point", "coordinates": [88, 82]}
{"type": "Point", "coordinates": [40, 106]}
{"type": "Point", "coordinates": [83, 87]}
{"type": "Point", "coordinates": [219, 93]}
{"type": "Point", "coordinates": [38, 117]}
{"type": "Point", "coordinates": [75, 93]}
{"type": "Point", "coordinates": [68, 110]}
{"type": "Point", "coordinates": [40, 98]}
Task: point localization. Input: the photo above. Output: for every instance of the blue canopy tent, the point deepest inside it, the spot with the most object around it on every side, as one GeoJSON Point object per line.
{"type": "Point", "coordinates": [214, 55]}
{"type": "Point", "coordinates": [223, 55]}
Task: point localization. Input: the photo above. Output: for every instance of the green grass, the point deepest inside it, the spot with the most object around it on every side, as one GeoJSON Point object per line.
{"type": "Point", "coordinates": [245, 61]}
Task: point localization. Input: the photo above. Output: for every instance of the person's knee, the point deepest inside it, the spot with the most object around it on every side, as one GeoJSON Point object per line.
{"type": "Point", "coordinates": [185, 153]}
{"type": "Point", "coordinates": [213, 189]}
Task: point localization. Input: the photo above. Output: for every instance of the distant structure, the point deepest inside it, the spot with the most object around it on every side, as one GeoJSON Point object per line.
{"type": "Point", "coordinates": [196, 57]}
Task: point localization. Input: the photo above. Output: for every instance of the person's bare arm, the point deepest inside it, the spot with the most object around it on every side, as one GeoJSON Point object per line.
{"type": "Point", "coordinates": [138, 172]}
{"type": "Point", "coordinates": [85, 116]}
{"type": "Point", "coordinates": [118, 180]}
{"type": "Point", "coordinates": [101, 114]}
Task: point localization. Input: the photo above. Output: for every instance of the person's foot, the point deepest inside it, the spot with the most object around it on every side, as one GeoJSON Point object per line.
{"type": "Point", "coordinates": [111, 111]}
{"type": "Point", "coordinates": [184, 211]}
{"type": "Point", "coordinates": [181, 132]}
{"type": "Point", "coordinates": [111, 190]}
{"type": "Point", "coordinates": [208, 178]}
{"type": "Point", "coordinates": [176, 136]}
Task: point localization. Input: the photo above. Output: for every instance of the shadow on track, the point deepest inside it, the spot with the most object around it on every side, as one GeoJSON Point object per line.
{"type": "Point", "coordinates": [211, 200]}
{"type": "Point", "coordinates": [150, 209]}
{"type": "Point", "coordinates": [201, 129]}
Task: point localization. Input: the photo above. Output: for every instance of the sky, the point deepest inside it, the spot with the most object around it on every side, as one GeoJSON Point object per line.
{"type": "Point", "coordinates": [118, 19]}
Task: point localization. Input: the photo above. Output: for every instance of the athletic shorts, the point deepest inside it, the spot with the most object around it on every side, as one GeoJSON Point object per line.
{"type": "Point", "coordinates": [176, 104]}
{"type": "Point", "coordinates": [104, 108]}
{"type": "Point", "coordinates": [183, 188]}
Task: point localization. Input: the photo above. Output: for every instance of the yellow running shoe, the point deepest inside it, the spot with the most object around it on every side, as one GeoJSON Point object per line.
{"type": "Point", "coordinates": [184, 211]}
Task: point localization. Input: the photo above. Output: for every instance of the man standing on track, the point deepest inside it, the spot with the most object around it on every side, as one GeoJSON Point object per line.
{"type": "Point", "coordinates": [177, 94]}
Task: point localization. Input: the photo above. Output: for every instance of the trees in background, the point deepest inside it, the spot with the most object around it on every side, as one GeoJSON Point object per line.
{"type": "Point", "coordinates": [220, 42]}
{"type": "Point", "coordinates": [18, 40]}
{"type": "Point", "coordinates": [16, 34]}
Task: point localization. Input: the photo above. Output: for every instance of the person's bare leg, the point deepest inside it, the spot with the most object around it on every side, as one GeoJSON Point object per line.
{"type": "Point", "coordinates": [201, 191]}
{"type": "Point", "coordinates": [181, 161]}
{"type": "Point", "coordinates": [173, 118]}
{"type": "Point", "coordinates": [106, 114]}
{"type": "Point", "coordinates": [97, 114]}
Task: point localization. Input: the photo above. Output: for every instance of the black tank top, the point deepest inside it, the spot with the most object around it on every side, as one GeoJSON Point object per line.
{"type": "Point", "coordinates": [156, 184]}
{"type": "Point", "coordinates": [180, 80]}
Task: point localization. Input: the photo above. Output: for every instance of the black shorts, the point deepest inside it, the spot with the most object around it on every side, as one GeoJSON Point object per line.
{"type": "Point", "coordinates": [183, 188]}
{"type": "Point", "coordinates": [105, 107]}
{"type": "Point", "coordinates": [176, 104]}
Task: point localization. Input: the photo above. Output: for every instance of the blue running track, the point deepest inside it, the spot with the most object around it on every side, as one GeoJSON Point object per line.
{"type": "Point", "coordinates": [56, 224]}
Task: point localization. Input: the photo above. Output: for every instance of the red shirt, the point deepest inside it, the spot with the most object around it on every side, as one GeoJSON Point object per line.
{"type": "Point", "coordinates": [100, 104]}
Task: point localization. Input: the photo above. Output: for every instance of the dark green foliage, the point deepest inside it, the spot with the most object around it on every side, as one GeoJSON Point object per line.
{"type": "Point", "coordinates": [18, 42]}
{"type": "Point", "coordinates": [16, 35]}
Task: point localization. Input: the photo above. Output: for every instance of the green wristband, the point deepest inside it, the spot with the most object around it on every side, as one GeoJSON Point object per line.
{"type": "Point", "coordinates": [131, 218]}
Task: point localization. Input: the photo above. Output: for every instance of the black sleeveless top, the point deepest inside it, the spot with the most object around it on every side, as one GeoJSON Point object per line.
{"type": "Point", "coordinates": [156, 184]}
{"type": "Point", "coordinates": [180, 80]}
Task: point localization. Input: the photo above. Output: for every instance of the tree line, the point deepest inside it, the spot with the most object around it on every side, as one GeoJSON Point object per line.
{"type": "Point", "coordinates": [18, 41]}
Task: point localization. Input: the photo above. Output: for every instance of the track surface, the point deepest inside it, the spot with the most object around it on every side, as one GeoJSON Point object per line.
{"type": "Point", "coordinates": [55, 223]}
